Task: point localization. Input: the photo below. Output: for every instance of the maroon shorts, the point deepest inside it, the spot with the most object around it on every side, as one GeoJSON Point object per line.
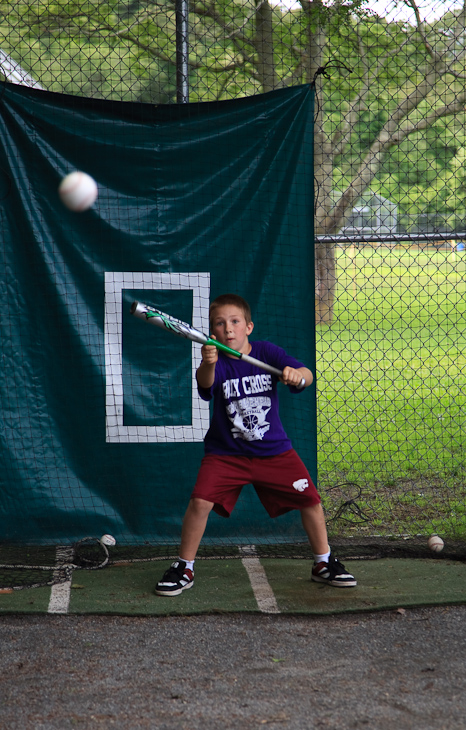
{"type": "Point", "coordinates": [282, 482]}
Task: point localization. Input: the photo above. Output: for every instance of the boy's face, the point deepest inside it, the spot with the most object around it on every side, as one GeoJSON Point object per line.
{"type": "Point", "coordinates": [230, 327]}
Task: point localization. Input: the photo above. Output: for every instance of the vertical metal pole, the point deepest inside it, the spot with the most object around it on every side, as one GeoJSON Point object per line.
{"type": "Point", "coordinates": [182, 51]}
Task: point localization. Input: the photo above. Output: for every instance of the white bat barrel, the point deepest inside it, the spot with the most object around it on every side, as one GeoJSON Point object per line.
{"type": "Point", "coordinates": [177, 327]}
{"type": "Point", "coordinates": [139, 310]}
{"type": "Point", "coordinates": [167, 322]}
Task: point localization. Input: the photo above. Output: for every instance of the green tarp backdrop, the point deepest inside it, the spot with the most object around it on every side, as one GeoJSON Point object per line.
{"type": "Point", "coordinates": [101, 426]}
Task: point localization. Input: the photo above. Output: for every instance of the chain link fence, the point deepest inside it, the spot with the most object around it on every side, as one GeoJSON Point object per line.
{"type": "Point", "coordinates": [390, 184]}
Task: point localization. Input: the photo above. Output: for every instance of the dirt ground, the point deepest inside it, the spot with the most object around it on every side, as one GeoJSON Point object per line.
{"type": "Point", "coordinates": [384, 671]}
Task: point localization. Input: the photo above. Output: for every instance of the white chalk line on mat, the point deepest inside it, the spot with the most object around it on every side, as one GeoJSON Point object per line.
{"type": "Point", "coordinates": [60, 593]}
{"type": "Point", "coordinates": [262, 590]}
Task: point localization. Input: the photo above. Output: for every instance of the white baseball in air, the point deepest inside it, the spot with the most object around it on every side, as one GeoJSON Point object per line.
{"type": "Point", "coordinates": [78, 191]}
{"type": "Point", "coordinates": [108, 540]}
{"type": "Point", "coordinates": [435, 543]}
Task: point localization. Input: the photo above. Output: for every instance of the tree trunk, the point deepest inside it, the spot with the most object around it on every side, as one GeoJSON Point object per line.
{"type": "Point", "coordinates": [323, 167]}
{"type": "Point", "coordinates": [264, 46]}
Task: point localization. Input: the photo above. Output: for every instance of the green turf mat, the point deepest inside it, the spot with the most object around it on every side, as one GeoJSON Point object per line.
{"type": "Point", "coordinates": [29, 600]}
{"type": "Point", "coordinates": [220, 585]}
{"type": "Point", "coordinates": [224, 586]}
{"type": "Point", "coordinates": [382, 584]}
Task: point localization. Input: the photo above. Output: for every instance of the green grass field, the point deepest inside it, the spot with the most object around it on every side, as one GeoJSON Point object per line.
{"type": "Point", "coordinates": [392, 391]}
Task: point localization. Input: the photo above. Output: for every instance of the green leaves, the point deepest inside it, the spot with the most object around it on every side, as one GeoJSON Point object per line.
{"type": "Point", "coordinates": [127, 51]}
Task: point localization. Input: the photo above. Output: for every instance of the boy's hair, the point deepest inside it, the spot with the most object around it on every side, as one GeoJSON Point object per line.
{"type": "Point", "coordinates": [233, 299]}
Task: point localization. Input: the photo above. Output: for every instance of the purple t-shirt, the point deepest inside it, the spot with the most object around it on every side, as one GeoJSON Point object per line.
{"type": "Point", "coordinates": [245, 419]}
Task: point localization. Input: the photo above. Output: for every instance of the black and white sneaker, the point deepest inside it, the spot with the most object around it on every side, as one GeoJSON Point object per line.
{"type": "Point", "coordinates": [176, 579]}
{"type": "Point", "coordinates": [333, 573]}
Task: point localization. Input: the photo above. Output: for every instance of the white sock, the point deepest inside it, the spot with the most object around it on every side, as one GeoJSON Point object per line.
{"type": "Point", "coordinates": [189, 564]}
{"type": "Point", "coordinates": [322, 558]}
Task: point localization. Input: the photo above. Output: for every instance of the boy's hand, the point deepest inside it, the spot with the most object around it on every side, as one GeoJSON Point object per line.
{"type": "Point", "coordinates": [292, 376]}
{"type": "Point", "coordinates": [209, 353]}
{"type": "Point", "coordinates": [205, 373]}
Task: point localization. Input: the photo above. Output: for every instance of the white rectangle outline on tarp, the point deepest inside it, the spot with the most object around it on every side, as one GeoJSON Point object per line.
{"type": "Point", "coordinates": [115, 283]}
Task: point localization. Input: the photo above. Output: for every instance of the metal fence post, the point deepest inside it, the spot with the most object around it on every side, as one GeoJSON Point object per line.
{"type": "Point", "coordinates": [182, 51]}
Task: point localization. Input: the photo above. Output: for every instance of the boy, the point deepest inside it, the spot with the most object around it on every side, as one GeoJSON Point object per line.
{"type": "Point", "coordinates": [246, 444]}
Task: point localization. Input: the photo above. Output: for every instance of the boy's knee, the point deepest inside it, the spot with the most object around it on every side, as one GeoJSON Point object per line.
{"type": "Point", "coordinates": [201, 506]}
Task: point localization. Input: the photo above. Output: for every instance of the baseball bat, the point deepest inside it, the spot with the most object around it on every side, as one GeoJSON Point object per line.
{"type": "Point", "coordinates": [183, 329]}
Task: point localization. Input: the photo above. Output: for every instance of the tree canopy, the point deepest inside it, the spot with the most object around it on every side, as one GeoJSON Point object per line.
{"type": "Point", "coordinates": [391, 95]}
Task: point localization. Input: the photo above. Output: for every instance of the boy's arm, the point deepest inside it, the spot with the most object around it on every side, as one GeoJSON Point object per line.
{"type": "Point", "coordinates": [294, 376]}
{"type": "Point", "coordinates": [205, 373]}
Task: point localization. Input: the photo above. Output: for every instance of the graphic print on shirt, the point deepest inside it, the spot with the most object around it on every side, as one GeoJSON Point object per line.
{"type": "Point", "coordinates": [248, 414]}
{"type": "Point", "coordinates": [248, 417]}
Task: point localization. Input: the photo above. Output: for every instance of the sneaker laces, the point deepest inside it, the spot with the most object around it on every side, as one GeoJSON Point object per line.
{"type": "Point", "coordinates": [175, 572]}
{"type": "Point", "coordinates": [335, 567]}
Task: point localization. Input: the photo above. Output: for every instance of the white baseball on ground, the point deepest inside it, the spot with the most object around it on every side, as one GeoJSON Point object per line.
{"type": "Point", "coordinates": [78, 191]}
{"type": "Point", "coordinates": [108, 540]}
{"type": "Point", "coordinates": [435, 543]}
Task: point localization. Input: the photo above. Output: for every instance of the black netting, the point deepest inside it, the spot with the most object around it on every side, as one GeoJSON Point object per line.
{"type": "Point", "coordinates": [390, 184]}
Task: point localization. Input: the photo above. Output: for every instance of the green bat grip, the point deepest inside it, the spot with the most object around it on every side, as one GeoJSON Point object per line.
{"type": "Point", "coordinates": [223, 348]}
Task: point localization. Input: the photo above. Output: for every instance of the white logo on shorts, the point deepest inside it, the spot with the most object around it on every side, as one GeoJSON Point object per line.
{"type": "Point", "coordinates": [300, 485]}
